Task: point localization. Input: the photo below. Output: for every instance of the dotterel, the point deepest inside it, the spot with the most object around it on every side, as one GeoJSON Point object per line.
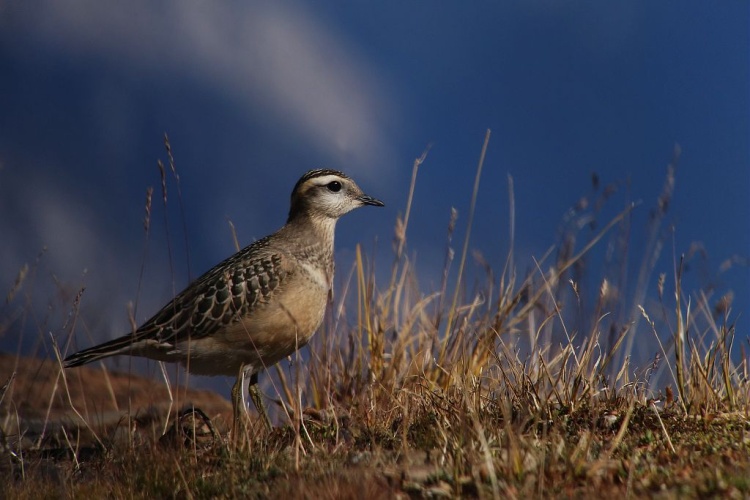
{"type": "Point", "coordinates": [259, 305]}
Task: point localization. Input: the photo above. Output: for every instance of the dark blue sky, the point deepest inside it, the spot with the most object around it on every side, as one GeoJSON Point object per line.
{"type": "Point", "coordinates": [253, 94]}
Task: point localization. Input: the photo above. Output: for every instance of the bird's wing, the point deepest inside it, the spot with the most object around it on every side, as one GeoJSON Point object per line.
{"type": "Point", "coordinates": [219, 298]}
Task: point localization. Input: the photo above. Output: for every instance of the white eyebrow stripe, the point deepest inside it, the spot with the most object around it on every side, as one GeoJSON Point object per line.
{"type": "Point", "coordinates": [325, 179]}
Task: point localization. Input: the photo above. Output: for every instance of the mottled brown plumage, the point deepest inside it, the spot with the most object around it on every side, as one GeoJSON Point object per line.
{"type": "Point", "coordinates": [259, 305]}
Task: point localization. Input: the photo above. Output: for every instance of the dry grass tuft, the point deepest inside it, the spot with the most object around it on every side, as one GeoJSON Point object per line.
{"type": "Point", "coordinates": [521, 385]}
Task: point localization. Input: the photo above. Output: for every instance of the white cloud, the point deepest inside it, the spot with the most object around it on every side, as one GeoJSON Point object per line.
{"type": "Point", "coordinates": [274, 59]}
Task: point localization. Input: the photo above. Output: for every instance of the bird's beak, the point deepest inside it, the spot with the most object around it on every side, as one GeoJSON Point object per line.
{"type": "Point", "coordinates": [369, 200]}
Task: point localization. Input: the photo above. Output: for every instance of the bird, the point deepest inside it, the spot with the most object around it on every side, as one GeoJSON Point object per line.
{"type": "Point", "coordinates": [256, 307]}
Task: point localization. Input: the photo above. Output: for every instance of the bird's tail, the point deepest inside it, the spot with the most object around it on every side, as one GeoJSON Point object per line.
{"type": "Point", "coordinates": [120, 345]}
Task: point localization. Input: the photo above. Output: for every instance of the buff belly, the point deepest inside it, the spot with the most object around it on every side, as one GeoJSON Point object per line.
{"type": "Point", "coordinates": [255, 342]}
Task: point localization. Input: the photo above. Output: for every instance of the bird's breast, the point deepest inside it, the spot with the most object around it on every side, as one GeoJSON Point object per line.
{"type": "Point", "coordinates": [316, 276]}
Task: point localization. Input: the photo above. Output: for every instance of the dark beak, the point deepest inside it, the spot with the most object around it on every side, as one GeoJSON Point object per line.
{"type": "Point", "coordinates": [369, 200]}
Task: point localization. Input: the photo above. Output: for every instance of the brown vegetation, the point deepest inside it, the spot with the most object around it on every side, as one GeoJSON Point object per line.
{"type": "Point", "coordinates": [504, 391]}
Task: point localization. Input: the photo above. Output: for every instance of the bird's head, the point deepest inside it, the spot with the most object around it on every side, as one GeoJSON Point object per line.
{"type": "Point", "coordinates": [327, 194]}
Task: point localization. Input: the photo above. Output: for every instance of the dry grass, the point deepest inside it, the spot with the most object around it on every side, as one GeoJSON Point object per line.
{"type": "Point", "coordinates": [518, 386]}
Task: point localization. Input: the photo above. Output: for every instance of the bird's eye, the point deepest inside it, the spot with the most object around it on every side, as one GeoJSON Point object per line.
{"type": "Point", "coordinates": [334, 186]}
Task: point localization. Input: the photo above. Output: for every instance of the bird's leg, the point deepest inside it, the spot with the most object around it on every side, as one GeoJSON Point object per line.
{"type": "Point", "coordinates": [238, 406]}
{"type": "Point", "coordinates": [257, 398]}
